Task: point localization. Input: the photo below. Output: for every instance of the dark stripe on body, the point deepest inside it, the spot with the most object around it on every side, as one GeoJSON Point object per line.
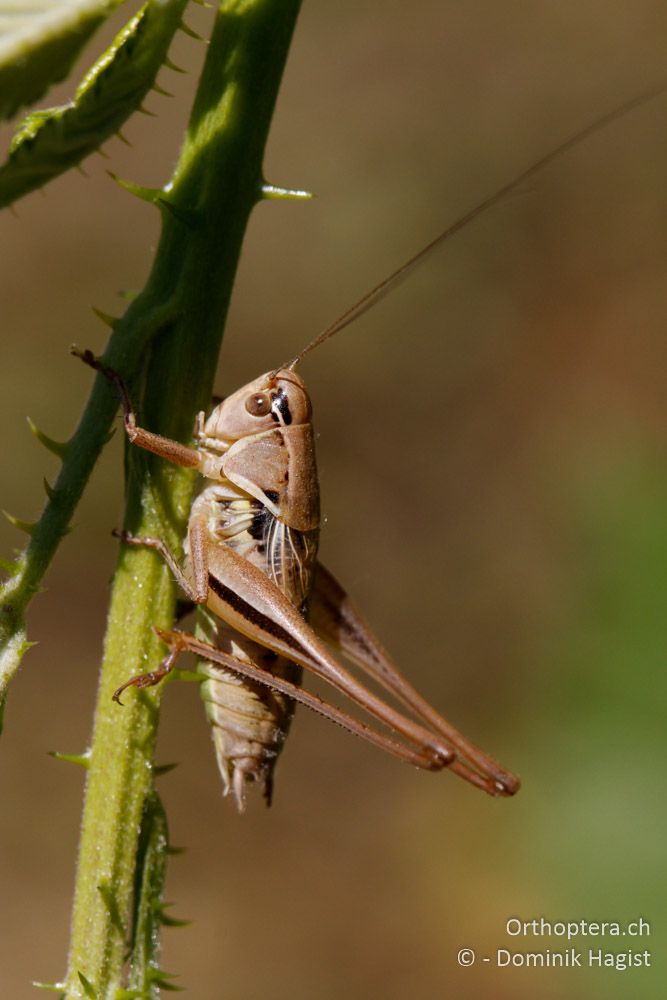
{"type": "Point", "coordinates": [259, 526]}
{"type": "Point", "coordinates": [251, 614]}
{"type": "Point", "coordinates": [280, 402]}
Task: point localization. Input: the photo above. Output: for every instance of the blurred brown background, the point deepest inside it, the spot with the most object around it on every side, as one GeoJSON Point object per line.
{"type": "Point", "coordinates": [492, 453]}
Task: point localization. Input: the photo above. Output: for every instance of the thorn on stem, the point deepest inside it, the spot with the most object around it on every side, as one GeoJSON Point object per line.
{"type": "Point", "coordinates": [151, 195]}
{"type": "Point", "coordinates": [58, 448]}
{"type": "Point", "coordinates": [172, 66]}
{"type": "Point", "coordinates": [186, 216]}
{"type": "Point", "coordinates": [88, 988]}
{"type": "Point", "coordinates": [82, 759]}
{"type": "Point", "coordinates": [106, 318]}
{"type": "Point", "coordinates": [273, 192]}
{"type": "Point", "coordinates": [109, 898]}
{"type": "Point", "coordinates": [27, 526]}
{"type": "Point", "coordinates": [187, 30]}
{"type": "Point", "coordinates": [160, 769]}
{"type": "Point", "coordinates": [160, 90]}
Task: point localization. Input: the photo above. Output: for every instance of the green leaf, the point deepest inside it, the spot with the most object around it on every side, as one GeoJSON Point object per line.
{"type": "Point", "coordinates": [39, 42]}
{"type": "Point", "coordinates": [50, 141]}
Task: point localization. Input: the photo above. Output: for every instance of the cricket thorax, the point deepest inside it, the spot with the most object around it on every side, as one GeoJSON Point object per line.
{"type": "Point", "coordinates": [260, 442]}
{"type": "Point", "coordinates": [286, 555]}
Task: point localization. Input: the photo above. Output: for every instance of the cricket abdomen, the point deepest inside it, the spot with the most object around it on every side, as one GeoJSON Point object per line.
{"type": "Point", "coordinates": [249, 721]}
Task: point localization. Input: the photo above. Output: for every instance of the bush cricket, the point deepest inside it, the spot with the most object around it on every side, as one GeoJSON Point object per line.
{"type": "Point", "coordinates": [271, 609]}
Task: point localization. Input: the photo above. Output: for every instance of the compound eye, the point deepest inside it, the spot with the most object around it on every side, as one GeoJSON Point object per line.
{"type": "Point", "coordinates": [259, 404]}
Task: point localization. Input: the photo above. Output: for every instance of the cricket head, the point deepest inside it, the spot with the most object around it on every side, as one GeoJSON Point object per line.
{"type": "Point", "coordinates": [275, 399]}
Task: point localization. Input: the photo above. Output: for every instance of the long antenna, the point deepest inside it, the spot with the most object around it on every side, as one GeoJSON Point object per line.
{"type": "Point", "coordinates": [368, 300]}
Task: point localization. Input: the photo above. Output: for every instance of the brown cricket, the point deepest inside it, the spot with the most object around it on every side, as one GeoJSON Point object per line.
{"type": "Point", "coordinates": [251, 558]}
{"type": "Point", "coordinates": [271, 608]}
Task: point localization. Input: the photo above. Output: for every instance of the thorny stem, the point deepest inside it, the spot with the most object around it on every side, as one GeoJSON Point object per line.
{"type": "Point", "coordinates": [173, 330]}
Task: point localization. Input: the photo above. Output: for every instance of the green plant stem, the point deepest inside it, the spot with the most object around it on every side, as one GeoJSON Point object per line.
{"type": "Point", "coordinates": [205, 209]}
